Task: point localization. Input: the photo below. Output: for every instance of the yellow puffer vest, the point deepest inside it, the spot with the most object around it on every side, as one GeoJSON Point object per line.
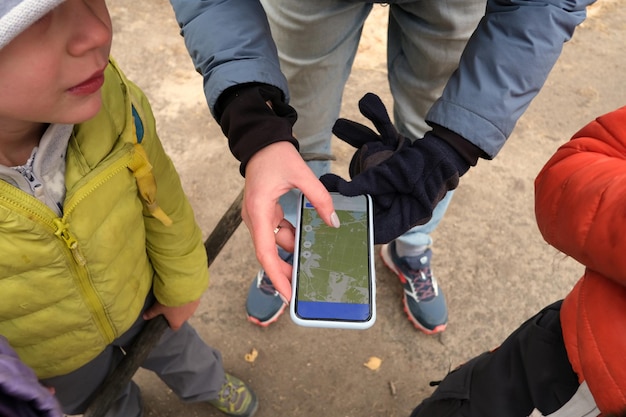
{"type": "Point", "coordinates": [69, 286]}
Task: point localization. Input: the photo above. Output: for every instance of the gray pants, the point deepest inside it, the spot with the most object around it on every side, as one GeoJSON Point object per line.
{"type": "Point", "coordinates": [188, 366]}
{"type": "Point", "coordinates": [317, 42]}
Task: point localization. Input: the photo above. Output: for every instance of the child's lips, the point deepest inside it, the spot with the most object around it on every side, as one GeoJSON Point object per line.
{"type": "Point", "coordinates": [88, 86]}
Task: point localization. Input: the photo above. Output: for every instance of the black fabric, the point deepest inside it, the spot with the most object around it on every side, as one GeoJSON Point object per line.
{"type": "Point", "coordinates": [465, 148]}
{"type": "Point", "coordinates": [406, 180]}
{"type": "Point", "coordinates": [442, 408]}
{"type": "Point", "coordinates": [529, 370]}
{"type": "Point", "coordinates": [253, 116]}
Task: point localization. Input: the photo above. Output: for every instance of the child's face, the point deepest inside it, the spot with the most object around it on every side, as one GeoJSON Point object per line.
{"type": "Point", "coordinates": [52, 72]}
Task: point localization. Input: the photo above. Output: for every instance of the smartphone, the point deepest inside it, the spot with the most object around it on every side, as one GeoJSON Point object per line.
{"type": "Point", "coordinates": [333, 281]}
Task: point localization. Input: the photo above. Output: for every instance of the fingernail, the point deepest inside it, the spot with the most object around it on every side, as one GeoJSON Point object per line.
{"type": "Point", "coordinates": [334, 220]}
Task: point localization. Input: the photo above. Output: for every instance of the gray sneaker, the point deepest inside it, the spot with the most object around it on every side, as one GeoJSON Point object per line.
{"type": "Point", "coordinates": [424, 302]}
{"type": "Point", "coordinates": [264, 305]}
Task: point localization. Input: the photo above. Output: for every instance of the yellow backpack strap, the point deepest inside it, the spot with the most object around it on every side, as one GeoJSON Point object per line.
{"type": "Point", "coordinates": [142, 170]}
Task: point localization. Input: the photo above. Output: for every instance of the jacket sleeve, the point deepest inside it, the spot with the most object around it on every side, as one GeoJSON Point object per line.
{"type": "Point", "coordinates": [503, 67]}
{"type": "Point", "coordinates": [21, 394]}
{"type": "Point", "coordinates": [580, 197]}
{"type": "Point", "coordinates": [176, 251]}
{"type": "Point", "coordinates": [230, 44]}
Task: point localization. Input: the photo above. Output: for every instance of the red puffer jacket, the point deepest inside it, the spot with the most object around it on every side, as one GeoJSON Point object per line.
{"type": "Point", "coordinates": [580, 205]}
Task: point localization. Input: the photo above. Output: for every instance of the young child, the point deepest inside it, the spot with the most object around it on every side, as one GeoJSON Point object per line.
{"type": "Point", "coordinates": [568, 360]}
{"type": "Point", "coordinates": [91, 247]}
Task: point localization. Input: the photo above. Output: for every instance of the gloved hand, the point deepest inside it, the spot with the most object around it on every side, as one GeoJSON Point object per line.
{"type": "Point", "coordinates": [406, 180]}
{"type": "Point", "coordinates": [21, 394]}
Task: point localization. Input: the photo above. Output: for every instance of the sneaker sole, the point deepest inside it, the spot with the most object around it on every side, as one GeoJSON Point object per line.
{"type": "Point", "coordinates": [269, 321]}
{"type": "Point", "coordinates": [389, 264]}
{"type": "Point", "coordinates": [254, 410]}
{"type": "Point", "coordinates": [417, 325]}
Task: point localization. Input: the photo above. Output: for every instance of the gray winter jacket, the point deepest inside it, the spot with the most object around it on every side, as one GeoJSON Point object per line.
{"type": "Point", "coordinates": [505, 63]}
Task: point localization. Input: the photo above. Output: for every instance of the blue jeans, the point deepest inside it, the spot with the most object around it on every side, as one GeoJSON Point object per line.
{"type": "Point", "coordinates": [317, 43]}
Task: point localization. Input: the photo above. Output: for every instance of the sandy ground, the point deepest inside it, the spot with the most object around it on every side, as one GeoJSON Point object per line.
{"type": "Point", "coordinates": [490, 259]}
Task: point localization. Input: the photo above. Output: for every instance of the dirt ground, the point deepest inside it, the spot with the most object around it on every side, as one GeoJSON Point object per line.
{"type": "Point", "coordinates": [489, 257]}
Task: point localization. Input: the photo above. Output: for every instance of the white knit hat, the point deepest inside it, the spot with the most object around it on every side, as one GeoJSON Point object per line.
{"type": "Point", "coordinates": [17, 15]}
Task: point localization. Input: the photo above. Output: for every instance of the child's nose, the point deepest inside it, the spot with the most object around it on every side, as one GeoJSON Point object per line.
{"type": "Point", "coordinates": [91, 26]}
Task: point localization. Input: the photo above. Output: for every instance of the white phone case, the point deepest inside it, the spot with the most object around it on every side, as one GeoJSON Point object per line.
{"type": "Point", "coordinates": [334, 323]}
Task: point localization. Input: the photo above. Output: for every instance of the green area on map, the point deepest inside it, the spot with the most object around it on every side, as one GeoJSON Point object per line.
{"type": "Point", "coordinates": [334, 262]}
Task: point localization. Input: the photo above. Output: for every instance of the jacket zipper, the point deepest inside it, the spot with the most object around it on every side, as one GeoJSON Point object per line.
{"type": "Point", "coordinates": [60, 229]}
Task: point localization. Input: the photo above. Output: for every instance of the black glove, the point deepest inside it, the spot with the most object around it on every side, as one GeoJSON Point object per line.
{"type": "Point", "coordinates": [406, 180]}
{"type": "Point", "coordinates": [253, 116]}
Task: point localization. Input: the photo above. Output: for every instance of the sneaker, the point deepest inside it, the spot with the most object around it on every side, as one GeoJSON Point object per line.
{"type": "Point", "coordinates": [264, 304]}
{"type": "Point", "coordinates": [235, 398]}
{"type": "Point", "coordinates": [424, 302]}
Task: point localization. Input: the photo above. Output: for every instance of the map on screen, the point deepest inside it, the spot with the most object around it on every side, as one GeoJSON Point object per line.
{"type": "Point", "coordinates": [334, 262]}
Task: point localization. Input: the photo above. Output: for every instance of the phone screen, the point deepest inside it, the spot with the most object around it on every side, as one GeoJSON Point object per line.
{"type": "Point", "coordinates": [334, 276]}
